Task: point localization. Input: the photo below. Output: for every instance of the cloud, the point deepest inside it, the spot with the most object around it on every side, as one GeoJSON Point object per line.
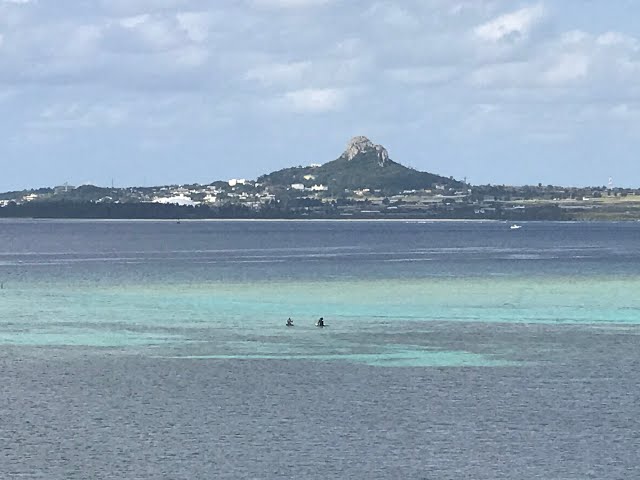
{"type": "Point", "coordinates": [422, 75]}
{"type": "Point", "coordinates": [313, 100]}
{"type": "Point", "coordinates": [393, 15]}
{"type": "Point", "coordinates": [510, 25]}
{"type": "Point", "coordinates": [439, 69]}
{"type": "Point", "coordinates": [131, 8]}
{"type": "Point", "coordinates": [6, 94]}
{"type": "Point", "coordinates": [196, 25]}
{"type": "Point", "coordinates": [178, 45]}
{"type": "Point", "coordinates": [290, 4]}
{"type": "Point", "coordinates": [278, 73]}
{"type": "Point", "coordinates": [77, 115]}
{"type": "Point", "coordinates": [567, 68]}
{"type": "Point", "coordinates": [572, 64]}
{"type": "Point", "coordinates": [152, 32]}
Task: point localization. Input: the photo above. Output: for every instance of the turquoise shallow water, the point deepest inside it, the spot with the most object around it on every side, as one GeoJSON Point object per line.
{"type": "Point", "coordinates": [224, 289]}
{"type": "Point", "coordinates": [364, 317]}
{"type": "Point", "coordinates": [155, 350]}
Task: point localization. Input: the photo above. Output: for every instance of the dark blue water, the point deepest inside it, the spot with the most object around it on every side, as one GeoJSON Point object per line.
{"type": "Point", "coordinates": [559, 400]}
{"type": "Point", "coordinates": [250, 251]}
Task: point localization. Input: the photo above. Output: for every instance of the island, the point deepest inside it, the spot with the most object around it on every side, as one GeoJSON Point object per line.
{"type": "Point", "coordinates": [363, 182]}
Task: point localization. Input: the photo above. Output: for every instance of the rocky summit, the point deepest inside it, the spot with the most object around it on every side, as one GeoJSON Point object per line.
{"type": "Point", "coordinates": [361, 145]}
{"type": "Point", "coordinates": [363, 166]}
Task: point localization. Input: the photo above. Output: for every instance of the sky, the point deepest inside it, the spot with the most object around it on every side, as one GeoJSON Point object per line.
{"type": "Point", "coordinates": [154, 92]}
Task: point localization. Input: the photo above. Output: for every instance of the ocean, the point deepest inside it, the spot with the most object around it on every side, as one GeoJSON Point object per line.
{"type": "Point", "coordinates": [149, 350]}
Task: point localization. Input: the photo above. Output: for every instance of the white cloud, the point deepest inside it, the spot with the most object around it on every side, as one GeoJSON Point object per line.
{"type": "Point", "coordinates": [314, 100]}
{"type": "Point", "coordinates": [567, 68]}
{"type": "Point", "coordinates": [195, 24]}
{"type": "Point", "coordinates": [574, 37]}
{"type": "Point", "coordinates": [154, 32]}
{"type": "Point", "coordinates": [501, 75]}
{"type": "Point", "coordinates": [6, 94]}
{"type": "Point", "coordinates": [191, 56]}
{"type": "Point", "coordinates": [78, 115]}
{"type": "Point", "coordinates": [625, 111]}
{"type": "Point", "coordinates": [135, 21]}
{"type": "Point", "coordinates": [612, 39]}
{"type": "Point", "coordinates": [278, 73]}
{"type": "Point", "coordinates": [424, 65]}
{"type": "Point", "coordinates": [285, 4]}
{"type": "Point", "coordinates": [422, 75]}
{"type": "Point", "coordinates": [569, 65]}
{"type": "Point", "coordinates": [131, 8]}
{"type": "Point", "coordinates": [511, 25]}
{"type": "Point", "coordinates": [390, 13]}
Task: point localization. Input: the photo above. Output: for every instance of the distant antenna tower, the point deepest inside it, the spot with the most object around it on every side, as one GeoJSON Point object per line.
{"type": "Point", "coordinates": [610, 184]}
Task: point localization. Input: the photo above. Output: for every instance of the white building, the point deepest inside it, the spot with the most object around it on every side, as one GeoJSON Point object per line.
{"type": "Point", "coordinates": [297, 186]}
{"type": "Point", "coordinates": [179, 191]}
{"type": "Point", "coordinates": [176, 200]}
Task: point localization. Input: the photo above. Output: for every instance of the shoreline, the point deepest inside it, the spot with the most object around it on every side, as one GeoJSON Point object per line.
{"type": "Point", "coordinates": [300, 220]}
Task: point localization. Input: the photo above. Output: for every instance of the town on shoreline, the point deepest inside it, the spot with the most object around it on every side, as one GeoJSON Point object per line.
{"type": "Point", "coordinates": [363, 183]}
{"type": "Point", "coordinates": [248, 199]}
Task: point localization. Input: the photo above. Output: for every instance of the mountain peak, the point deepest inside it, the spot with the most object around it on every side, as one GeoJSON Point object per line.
{"type": "Point", "coordinates": [361, 145]}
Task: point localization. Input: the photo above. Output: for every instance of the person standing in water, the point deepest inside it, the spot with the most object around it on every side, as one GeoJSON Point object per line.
{"type": "Point", "coordinates": [320, 322]}
{"type": "Point", "coordinates": [289, 322]}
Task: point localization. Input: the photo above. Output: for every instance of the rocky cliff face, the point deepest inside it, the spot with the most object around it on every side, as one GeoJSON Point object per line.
{"type": "Point", "coordinates": [361, 146]}
{"type": "Point", "coordinates": [362, 165]}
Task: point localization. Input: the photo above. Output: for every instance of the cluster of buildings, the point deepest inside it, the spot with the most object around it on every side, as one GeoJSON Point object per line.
{"type": "Point", "coordinates": [315, 199]}
{"type": "Point", "coordinates": [237, 191]}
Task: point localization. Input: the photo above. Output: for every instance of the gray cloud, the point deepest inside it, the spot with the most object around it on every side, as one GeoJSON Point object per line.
{"type": "Point", "coordinates": [290, 4]}
{"type": "Point", "coordinates": [422, 75]}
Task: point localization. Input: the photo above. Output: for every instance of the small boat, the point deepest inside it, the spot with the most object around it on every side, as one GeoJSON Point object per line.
{"type": "Point", "coordinates": [515, 226]}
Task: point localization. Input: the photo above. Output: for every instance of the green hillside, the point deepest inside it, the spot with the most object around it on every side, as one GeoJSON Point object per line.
{"type": "Point", "coordinates": [363, 165]}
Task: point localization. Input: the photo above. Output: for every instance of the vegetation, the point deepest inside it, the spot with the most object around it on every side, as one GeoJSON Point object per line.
{"type": "Point", "coordinates": [362, 172]}
{"type": "Point", "coordinates": [363, 187]}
